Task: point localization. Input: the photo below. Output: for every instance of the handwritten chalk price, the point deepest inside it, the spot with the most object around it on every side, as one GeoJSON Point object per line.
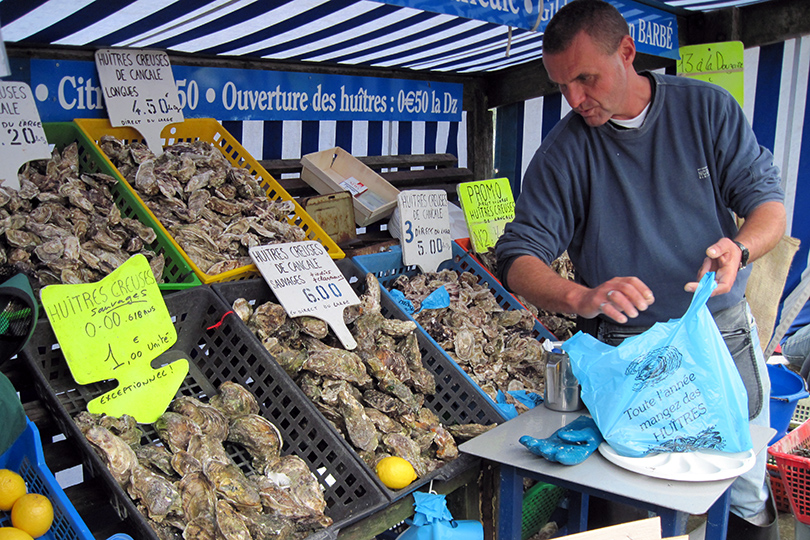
{"type": "Point", "coordinates": [114, 329]}
{"type": "Point", "coordinates": [306, 281]}
{"type": "Point", "coordinates": [22, 138]}
{"type": "Point", "coordinates": [424, 222]}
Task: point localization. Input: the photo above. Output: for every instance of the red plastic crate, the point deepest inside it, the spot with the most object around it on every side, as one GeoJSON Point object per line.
{"type": "Point", "coordinates": [795, 470]}
{"type": "Point", "coordinates": [780, 496]}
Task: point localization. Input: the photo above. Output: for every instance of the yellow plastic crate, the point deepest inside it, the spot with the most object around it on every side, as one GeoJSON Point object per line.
{"type": "Point", "coordinates": [209, 130]}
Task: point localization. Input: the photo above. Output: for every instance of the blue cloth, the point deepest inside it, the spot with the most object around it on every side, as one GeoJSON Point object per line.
{"type": "Point", "coordinates": [438, 299]}
{"type": "Point", "coordinates": [569, 445]}
{"type": "Point", "coordinates": [509, 411]}
{"type": "Point", "coordinates": [433, 521]}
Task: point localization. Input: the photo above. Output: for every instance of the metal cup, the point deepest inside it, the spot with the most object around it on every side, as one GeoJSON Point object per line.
{"type": "Point", "coordinates": [562, 391]}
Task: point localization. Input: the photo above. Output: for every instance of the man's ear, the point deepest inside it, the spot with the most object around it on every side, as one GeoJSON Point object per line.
{"type": "Point", "coordinates": [627, 50]}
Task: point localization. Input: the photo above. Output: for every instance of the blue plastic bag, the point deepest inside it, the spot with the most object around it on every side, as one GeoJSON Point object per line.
{"type": "Point", "coordinates": [674, 388]}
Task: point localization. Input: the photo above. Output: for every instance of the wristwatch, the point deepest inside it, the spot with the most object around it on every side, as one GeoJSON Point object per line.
{"type": "Point", "coordinates": [745, 254]}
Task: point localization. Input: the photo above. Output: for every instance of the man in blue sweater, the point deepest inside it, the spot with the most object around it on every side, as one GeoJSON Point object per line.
{"type": "Point", "coordinates": [640, 183]}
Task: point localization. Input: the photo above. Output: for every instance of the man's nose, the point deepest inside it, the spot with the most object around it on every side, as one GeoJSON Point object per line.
{"type": "Point", "coordinates": [575, 96]}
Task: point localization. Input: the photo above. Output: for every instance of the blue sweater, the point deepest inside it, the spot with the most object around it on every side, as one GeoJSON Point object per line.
{"type": "Point", "coordinates": [644, 202]}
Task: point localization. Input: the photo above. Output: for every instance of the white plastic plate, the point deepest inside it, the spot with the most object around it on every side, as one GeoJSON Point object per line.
{"type": "Point", "coordinates": [698, 466]}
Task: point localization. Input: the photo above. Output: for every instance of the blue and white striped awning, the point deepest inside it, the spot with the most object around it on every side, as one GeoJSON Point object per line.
{"type": "Point", "coordinates": [342, 32]}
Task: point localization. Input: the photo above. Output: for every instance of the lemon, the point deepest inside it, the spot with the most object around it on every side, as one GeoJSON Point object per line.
{"type": "Point", "coordinates": [11, 533]}
{"type": "Point", "coordinates": [12, 487]}
{"type": "Point", "coordinates": [33, 513]}
{"type": "Point", "coordinates": [395, 472]}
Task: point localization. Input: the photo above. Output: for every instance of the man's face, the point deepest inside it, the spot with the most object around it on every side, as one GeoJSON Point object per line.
{"type": "Point", "coordinates": [594, 83]}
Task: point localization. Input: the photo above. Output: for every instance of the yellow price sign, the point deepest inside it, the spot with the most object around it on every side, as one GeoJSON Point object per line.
{"type": "Point", "coordinates": [488, 206]}
{"type": "Point", "coordinates": [718, 63]}
{"type": "Point", "coordinates": [113, 329]}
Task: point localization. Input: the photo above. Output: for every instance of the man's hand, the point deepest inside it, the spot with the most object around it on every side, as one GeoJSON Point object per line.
{"type": "Point", "coordinates": [618, 298]}
{"type": "Point", "coordinates": [722, 258]}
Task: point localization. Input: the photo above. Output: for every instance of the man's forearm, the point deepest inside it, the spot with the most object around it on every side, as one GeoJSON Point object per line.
{"type": "Point", "coordinates": [534, 280]}
{"type": "Point", "coordinates": [762, 229]}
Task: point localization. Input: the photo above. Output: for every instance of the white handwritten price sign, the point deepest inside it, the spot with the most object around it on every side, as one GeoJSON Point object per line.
{"type": "Point", "coordinates": [424, 225]}
{"type": "Point", "coordinates": [22, 138]}
{"type": "Point", "coordinates": [488, 206]}
{"type": "Point", "coordinates": [306, 281]}
{"type": "Point", "coordinates": [113, 329]}
{"type": "Point", "coordinates": [718, 63]}
{"type": "Point", "coordinates": [139, 91]}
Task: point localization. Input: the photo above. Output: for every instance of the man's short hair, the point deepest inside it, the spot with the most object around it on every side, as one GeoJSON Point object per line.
{"type": "Point", "coordinates": [597, 18]}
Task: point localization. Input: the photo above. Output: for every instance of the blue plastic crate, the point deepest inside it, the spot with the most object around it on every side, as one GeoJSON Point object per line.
{"type": "Point", "coordinates": [388, 266]}
{"type": "Point", "coordinates": [25, 457]}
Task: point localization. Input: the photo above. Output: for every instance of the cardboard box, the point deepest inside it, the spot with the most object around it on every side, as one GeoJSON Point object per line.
{"type": "Point", "coordinates": [326, 170]}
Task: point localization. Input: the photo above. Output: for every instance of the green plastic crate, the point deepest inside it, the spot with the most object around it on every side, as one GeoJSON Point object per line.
{"type": "Point", "coordinates": [177, 274]}
{"type": "Point", "coordinates": [801, 413]}
{"type": "Point", "coordinates": [539, 502]}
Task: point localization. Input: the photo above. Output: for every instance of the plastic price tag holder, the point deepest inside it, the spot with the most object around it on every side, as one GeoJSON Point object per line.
{"type": "Point", "coordinates": [139, 91]}
{"type": "Point", "coordinates": [718, 63]}
{"type": "Point", "coordinates": [424, 225]}
{"type": "Point", "coordinates": [113, 329]}
{"type": "Point", "coordinates": [488, 205]}
{"type": "Point", "coordinates": [307, 281]}
{"type": "Point", "coordinates": [22, 138]}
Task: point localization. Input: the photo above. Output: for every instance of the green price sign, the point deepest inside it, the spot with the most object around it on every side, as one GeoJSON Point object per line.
{"type": "Point", "coordinates": [113, 329]}
{"type": "Point", "coordinates": [718, 63]}
{"type": "Point", "coordinates": [488, 206]}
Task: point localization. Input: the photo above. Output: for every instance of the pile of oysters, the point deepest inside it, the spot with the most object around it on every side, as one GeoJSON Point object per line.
{"type": "Point", "coordinates": [213, 210]}
{"type": "Point", "coordinates": [562, 325]}
{"type": "Point", "coordinates": [187, 486]}
{"type": "Point", "coordinates": [495, 347]}
{"type": "Point", "coordinates": [374, 396]}
{"type": "Point", "coordinates": [63, 226]}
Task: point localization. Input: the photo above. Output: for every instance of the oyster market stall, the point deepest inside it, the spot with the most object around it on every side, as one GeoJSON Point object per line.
{"type": "Point", "coordinates": [437, 75]}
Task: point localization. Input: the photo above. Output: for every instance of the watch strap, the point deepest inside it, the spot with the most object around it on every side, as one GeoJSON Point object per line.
{"type": "Point", "coordinates": [745, 254]}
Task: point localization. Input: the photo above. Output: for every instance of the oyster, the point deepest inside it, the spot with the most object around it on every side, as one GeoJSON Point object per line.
{"type": "Point", "coordinates": [259, 436]}
{"type": "Point", "coordinates": [158, 495]}
{"type": "Point", "coordinates": [230, 524]}
{"type": "Point", "coordinates": [234, 400]}
{"type": "Point", "coordinates": [119, 457]}
{"type": "Point", "coordinates": [198, 496]}
{"type": "Point", "coordinates": [210, 420]}
{"type": "Point", "coordinates": [232, 485]}
{"type": "Point", "coordinates": [176, 430]}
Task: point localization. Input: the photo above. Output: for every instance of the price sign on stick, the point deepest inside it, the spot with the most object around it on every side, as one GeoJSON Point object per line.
{"type": "Point", "coordinates": [22, 138]}
{"type": "Point", "coordinates": [424, 225]}
{"type": "Point", "coordinates": [113, 329]}
{"type": "Point", "coordinates": [488, 206]}
{"type": "Point", "coordinates": [306, 281]}
{"type": "Point", "coordinates": [139, 91]}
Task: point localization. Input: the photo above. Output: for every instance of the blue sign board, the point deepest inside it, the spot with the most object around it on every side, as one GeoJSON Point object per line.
{"type": "Point", "coordinates": [68, 89]}
{"type": "Point", "coordinates": [654, 31]}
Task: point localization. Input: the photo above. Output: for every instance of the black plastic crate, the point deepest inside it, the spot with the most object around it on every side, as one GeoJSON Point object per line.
{"type": "Point", "coordinates": [219, 348]}
{"type": "Point", "coordinates": [457, 399]}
